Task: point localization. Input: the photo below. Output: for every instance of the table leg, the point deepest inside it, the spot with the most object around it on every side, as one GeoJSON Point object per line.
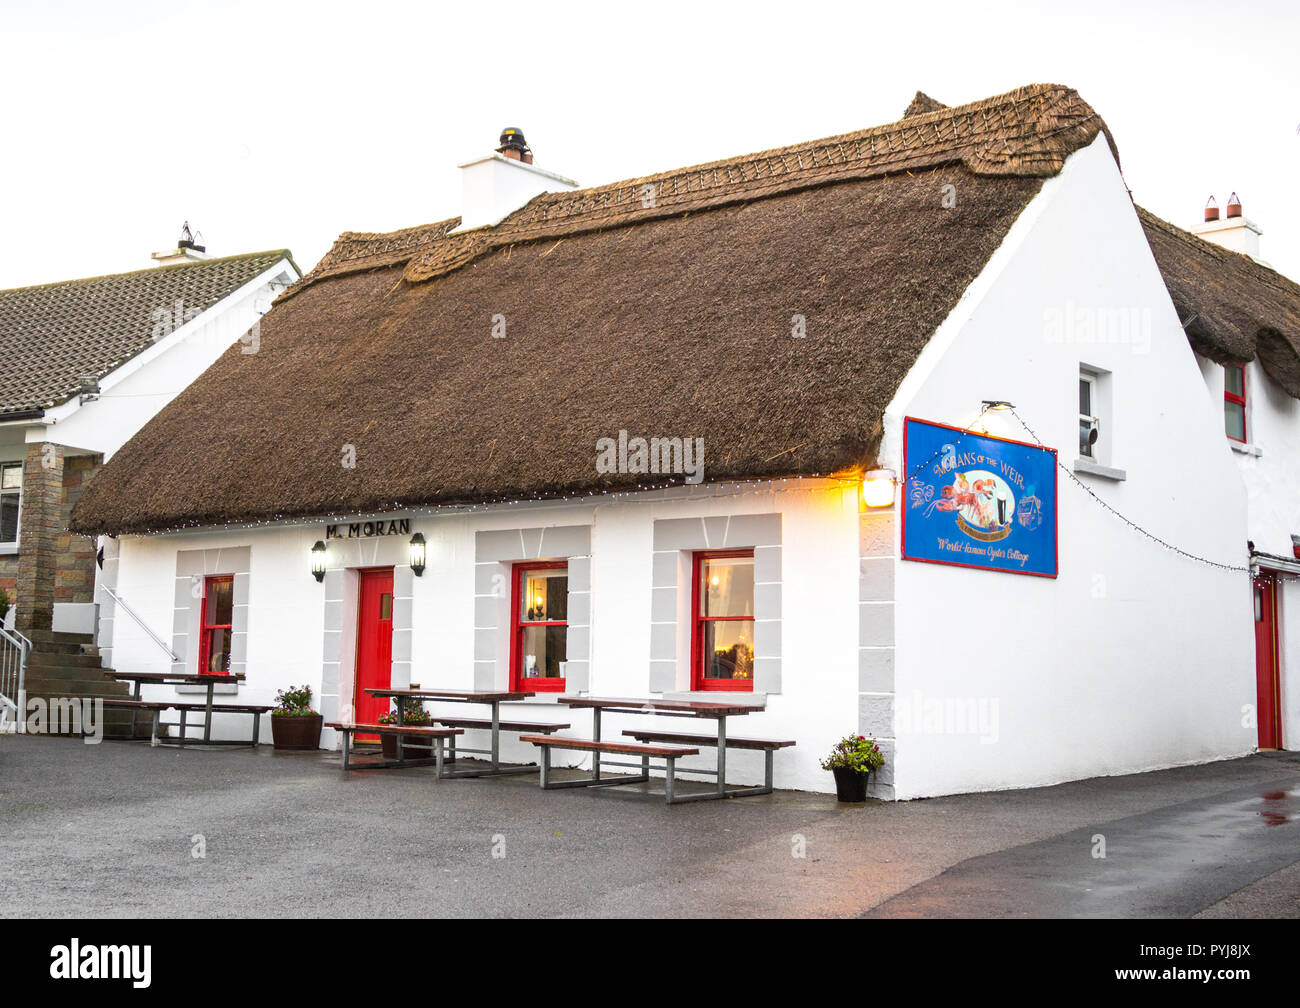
{"type": "Point", "coordinates": [207, 714]}
{"type": "Point", "coordinates": [722, 756]}
{"type": "Point", "coordinates": [595, 737]}
{"type": "Point", "coordinates": [496, 734]}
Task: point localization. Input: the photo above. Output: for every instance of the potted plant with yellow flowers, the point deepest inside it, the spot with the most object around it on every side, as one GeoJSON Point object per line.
{"type": "Point", "coordinates": [852, 761]}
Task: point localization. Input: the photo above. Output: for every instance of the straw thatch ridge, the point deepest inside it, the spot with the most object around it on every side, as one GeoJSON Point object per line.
{"type": "Point", "coordinates": [922, 102]}
{"type": "Point", "coordinates": [680, 326]}
{"type": "Point", "coordinates": [1233, 309]}
{"type": "Point", "coordinates": [1027, 132]}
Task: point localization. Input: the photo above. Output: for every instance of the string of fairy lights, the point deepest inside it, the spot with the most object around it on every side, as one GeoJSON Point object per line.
{"type": "Point", "coordinates": [717, 491]}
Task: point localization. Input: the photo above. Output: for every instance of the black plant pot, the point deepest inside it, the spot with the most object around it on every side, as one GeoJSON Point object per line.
{"type": "Point", "coordinates": [850, 786]}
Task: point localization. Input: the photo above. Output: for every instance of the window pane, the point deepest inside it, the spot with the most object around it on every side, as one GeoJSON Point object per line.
{"type": "Point", "coordinates": [8, 518]}
{"type": "Point", "coordinates": [12, 479]}
{"type": "Point", "coordinates": [1085, 437]}
{"type": "Point", "coordinates": [545, 596]}
{"type": "Point", "coordinates": [385, 606]}
{"type": "Point", "coordinates": [728, 649]}
{"type": "Point", "coordinates": [728, 588]}
{"type": "Point", "coordinates": [220, 603]}
{"type": "Point", "coordinates": [1234, 415]}
{"type": "Point", "coordinates": [218, 652]}
{"type": "Point", "coordinates": [1234, 380]}
{"type": "Point", "coordinates": [1085, 397]}
{"type": "Point", "coordinates": [544, 650]}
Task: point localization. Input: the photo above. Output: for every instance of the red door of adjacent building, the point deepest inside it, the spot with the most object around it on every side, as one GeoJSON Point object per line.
{"type": "Point", "coordinates": [1268, 709]}
{"type": "Point", "coordinates": [374, 643]}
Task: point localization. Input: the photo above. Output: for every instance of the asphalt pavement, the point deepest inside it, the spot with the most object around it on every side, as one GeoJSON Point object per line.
{"type": "Point", "coordinates": [125, 830]}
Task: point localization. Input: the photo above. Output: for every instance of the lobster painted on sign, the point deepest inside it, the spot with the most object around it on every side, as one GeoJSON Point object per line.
{"type": "Point", "coordinates": [962, 495]}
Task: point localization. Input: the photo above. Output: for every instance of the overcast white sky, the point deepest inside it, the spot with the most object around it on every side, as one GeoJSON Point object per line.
{"type": "Point", "coordinates": [274, 124]}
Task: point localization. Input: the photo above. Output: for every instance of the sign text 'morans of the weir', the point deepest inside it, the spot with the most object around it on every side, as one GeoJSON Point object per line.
{"type": "Point", "coordinates": [978, 501]}
{"type": "Point", "coordinates": [366, 530]}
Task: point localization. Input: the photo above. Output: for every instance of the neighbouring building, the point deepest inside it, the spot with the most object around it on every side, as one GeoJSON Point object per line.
{"type": "Point", "coordinates": [899, 431]}
{"type": "Point", "coordinates": [84, 364]}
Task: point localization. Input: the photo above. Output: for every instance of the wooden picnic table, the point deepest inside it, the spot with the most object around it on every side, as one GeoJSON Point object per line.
{"type": "Point", "coordinates": [702, 709]}
{"type": "Point", "coordinates": [181, 679]}
{"type": "Point", "coordinates": [493, 699]}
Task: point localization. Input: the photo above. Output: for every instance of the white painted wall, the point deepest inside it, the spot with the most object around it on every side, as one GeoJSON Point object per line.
{"type": "Point", "coordinates": [817, 704]}
{"type": "Point", "coordinates": [494, 186]}
{"type": "Point", "coordinates": [1133, 658]}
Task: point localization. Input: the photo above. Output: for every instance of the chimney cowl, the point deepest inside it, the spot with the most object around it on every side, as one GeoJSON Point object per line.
{"type": "Point", "coordinates": [1211, 210]}
{"type": "Point", "coordinates": [1234, 206]}
{"type": "Point", "coordinates": [514, 146]}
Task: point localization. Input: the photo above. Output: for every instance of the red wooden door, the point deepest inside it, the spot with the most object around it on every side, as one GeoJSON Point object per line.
{"type": "Point", "coordinates": [374, 644]}
{"type": "Point", "coordinates": [1267, 708]}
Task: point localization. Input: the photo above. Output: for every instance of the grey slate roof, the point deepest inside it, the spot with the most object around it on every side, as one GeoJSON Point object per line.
{"type": "Point", "coordinates": [53, 334]}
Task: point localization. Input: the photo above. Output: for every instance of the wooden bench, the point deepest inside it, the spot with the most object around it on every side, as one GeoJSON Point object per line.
{"type": "Point", "coordinates": [668, 753]}
{"type": "Point", "coordinates": [134, 706]}
{"type": "Point", "coordinates": [540, 727]}
{"type": "Point", "coordinates": [436, 736]}
{"type": "Point", "coordinates": [257, 710]}
{"type": "Point", "coordinates": [765, 746]}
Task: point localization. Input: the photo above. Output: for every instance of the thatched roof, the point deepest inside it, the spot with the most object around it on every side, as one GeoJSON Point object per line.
{"type": "Point", "coordinates": [668, 316]}
{"type": "Point", "coordinates": [1232, 308]}
{"type": "Point", "coordinates": [52, 335]}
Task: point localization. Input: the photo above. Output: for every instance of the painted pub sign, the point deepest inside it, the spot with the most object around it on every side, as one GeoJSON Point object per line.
{"type": "Point", "coordinates": [978, 501]}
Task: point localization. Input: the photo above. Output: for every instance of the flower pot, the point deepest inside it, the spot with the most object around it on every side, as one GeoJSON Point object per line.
{"type": "Point", "coordinates": [296, 731]}
{"type": "Point", "coordinates": [412, 748]}
{"type": "Point", "coordinates": [850, 786]}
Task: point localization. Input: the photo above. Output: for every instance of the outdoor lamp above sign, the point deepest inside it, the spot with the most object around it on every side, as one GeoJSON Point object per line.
{"type": "Point", "coordinates": [972, 500]}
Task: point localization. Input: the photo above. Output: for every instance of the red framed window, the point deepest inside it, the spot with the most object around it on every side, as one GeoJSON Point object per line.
{"type": "Point", "coordinates": [216, 624]}
{"type": "Point", "coordinates": [1234, 402]}
{"type": "Point", "coordinates": [722, 635]}
{"type": "Point", "coordinates": [539, 645]}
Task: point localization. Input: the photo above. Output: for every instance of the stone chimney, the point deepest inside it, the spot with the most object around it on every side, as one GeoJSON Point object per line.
{"type": "Point", "coordinates": [495, 186]}
{"type": "Point", "coordinates": [1234, 231]}
{"type": "Point", "coordinates": [189, 248]}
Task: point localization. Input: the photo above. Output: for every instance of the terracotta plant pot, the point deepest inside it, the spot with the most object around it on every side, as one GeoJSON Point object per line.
{"type": "Point", "coordinates": [412, 748]}
{"type": "Point", "coordinates": [296, 731]}
{"type": "Point", "coordinates": [850, 786]}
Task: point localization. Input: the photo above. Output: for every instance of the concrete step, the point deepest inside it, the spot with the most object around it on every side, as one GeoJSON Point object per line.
{"type": "Point", "coordinates": [89, 672]}
{"type": "Point", "coordinates": [60, 643]}
{"type": "Point", "coordinates": [75, 688]}
{"type": "Point", "coordinates": [58, 659]}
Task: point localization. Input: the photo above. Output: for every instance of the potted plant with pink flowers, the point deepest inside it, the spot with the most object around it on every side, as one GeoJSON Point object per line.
{"type": "Point", "coordinates": [852, 761]}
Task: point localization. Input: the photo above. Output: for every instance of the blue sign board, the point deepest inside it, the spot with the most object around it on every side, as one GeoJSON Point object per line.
{"type": "Point", "coordinates": [978, 501]}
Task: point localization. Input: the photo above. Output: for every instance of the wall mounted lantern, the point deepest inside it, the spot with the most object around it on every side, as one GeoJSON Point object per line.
{"type": "Point", "coordinates": [318, 560]}
{"type": "Point", "coordinates": [878, 488]}
{"type": "Point", "coordinates": [418, 553]}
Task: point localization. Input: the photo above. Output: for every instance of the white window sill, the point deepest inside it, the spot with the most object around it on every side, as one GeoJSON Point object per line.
{"type": "Point", "coordinates": [713, 696]}
{"type": "Point", "coordinates": [8, 549]}
{"type": "Point", "coordinates": [220, 689]}
{"type": "Point", "coordinates": [1245, 449]}
{"type": "Point", "coordinates": [1088, 467]}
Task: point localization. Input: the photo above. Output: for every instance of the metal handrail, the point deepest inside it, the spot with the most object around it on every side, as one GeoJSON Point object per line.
{"type": "Point", "coordinates": [141, 623]}
{"type": "Point", "coordinates": [14, 651]}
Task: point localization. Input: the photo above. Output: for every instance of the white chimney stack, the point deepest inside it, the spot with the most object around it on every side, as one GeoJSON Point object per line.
{"type": "Point", "coordinates": [1234, 231]}
{"type": "Point", "coordinates": [495, 186]}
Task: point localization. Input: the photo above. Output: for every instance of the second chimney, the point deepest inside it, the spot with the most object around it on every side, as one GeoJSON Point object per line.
{"type": "Point", "coordinates": [1235, 231]}
{"type": "Point", "coordinates": [495, 186]}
